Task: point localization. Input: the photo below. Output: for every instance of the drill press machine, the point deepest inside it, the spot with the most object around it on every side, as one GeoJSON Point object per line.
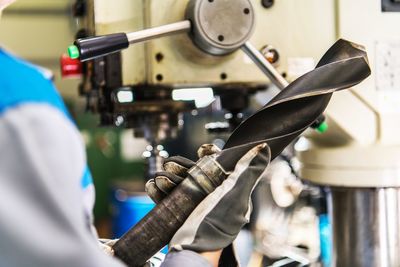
{"type": "Point", "coordinates": [133, 88]}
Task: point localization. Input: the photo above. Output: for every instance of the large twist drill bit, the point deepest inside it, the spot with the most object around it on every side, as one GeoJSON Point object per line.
{"type": "Point", "coordinates": [293, 110]}
{"type": "Point", "coordinates": [282, 120]}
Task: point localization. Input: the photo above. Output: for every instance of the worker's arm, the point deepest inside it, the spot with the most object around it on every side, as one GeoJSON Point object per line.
{"type": "Point", "coordinates": [42, 162]}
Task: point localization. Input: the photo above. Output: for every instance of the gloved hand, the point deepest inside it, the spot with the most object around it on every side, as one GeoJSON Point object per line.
{"type": "Point", "coordinates": [216, 222]}
{"type": "Point", "coordinates": [175, 171]}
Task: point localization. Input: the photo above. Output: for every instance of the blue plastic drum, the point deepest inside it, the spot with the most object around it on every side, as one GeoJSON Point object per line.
{"type": "Point", "coordinates": [128, 210]}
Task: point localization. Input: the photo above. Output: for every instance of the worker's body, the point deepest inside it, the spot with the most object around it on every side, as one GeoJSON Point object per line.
{"type": "Point", "coordinates": [46, 192]}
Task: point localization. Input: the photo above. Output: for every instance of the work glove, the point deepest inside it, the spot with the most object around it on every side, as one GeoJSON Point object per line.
{"type": "Point", "coordinates": [216, 222]}
{"type": "Point", "coordinates": [174, 169]}
{"type": "Point", "coordinates": [174, 172]}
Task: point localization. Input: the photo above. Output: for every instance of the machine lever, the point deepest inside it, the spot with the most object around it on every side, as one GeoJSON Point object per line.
{"type": "Point", "coordinates": [164, 30]}
{"type": "Point", "coordinates": [98, 46]}
{"type": "Point", "coordinates": [264, 65]}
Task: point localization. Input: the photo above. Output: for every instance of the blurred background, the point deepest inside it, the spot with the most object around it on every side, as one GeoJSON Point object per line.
{"type": "Point", "coordinates": [48, 28]}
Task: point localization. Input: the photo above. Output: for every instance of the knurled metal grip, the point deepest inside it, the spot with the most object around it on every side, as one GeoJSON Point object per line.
{"type": "Point", "coordinates": [220, 27]}
{"type": "Point", "coordinates": [207, 174]}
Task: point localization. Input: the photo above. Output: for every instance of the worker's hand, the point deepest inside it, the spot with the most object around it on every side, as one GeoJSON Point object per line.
{"type": "Point", "coordinates": [216, 222]}
{"type": "Point", "coordinates": [175, 171]}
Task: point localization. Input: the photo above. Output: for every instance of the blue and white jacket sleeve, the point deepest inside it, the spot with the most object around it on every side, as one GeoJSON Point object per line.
{"type": "Point", "coordinates": [46, 192]}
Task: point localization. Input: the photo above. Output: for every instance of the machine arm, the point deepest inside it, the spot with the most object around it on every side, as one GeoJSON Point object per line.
{"type": "Point", "coordinates": [207, 33]}
{"type": "Point", "coordinates": [265, 66]}
{"type": "Point", "coordinates": [203, 23]}
{"type": "Point", "coordinates": [99, 46]}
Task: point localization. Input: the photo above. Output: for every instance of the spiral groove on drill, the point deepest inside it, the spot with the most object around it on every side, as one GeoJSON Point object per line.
{"type": "Point", "coordinates": [296, 108]}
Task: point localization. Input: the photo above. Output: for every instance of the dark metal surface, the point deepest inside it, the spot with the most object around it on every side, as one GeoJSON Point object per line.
{"type": "Point", "coordinates": [365, 224]}
{"type": "Point", "coordinates": [390, 6]}
{"type": "Point", "coordinates": [267, 3]}
{"type": "Point", "coordinates": [277, 124]}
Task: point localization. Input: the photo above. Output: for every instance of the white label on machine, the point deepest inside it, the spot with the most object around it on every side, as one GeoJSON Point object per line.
{"type": "Point", "coordinates": [387, 67]}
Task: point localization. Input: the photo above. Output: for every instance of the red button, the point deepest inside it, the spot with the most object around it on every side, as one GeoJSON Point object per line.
{"type": "Point", "coordinates": [70, 68]}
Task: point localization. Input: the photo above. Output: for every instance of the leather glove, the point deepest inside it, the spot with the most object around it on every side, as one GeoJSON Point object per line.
{"type": "Point", "coordinates": [216, 222]}
{"type": "Point", "coordinates": [175, 171]}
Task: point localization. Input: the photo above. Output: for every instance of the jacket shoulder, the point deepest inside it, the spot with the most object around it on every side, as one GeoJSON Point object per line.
{"type": "Point", "coordinates": [22, 82]}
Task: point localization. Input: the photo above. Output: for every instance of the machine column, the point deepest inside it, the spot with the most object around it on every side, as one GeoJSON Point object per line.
{"type": "Point", "coordinates": [366, 226]}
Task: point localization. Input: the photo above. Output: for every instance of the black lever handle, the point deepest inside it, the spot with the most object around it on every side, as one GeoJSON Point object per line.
{"type": "Point", "coordinates": [92, 47]}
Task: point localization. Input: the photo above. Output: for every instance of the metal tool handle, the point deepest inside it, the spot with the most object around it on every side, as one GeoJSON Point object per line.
{"type": "Point", "coordinates": [158, 227]}
{"type": "Point", "coordinates": [93, 47]}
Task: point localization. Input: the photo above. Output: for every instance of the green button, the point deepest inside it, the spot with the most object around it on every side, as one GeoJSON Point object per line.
{"type": "Point", "coordinates": [323, 127]}
{"type": "Point", "coordinates": [73, 52]}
